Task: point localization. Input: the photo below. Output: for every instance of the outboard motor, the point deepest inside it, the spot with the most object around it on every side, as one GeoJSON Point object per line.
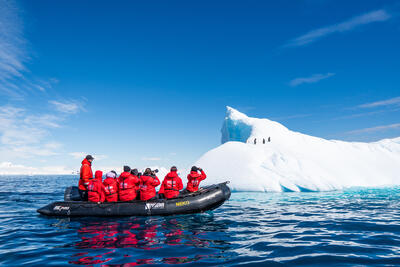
{"type": "Point", "coordinates": [72, 194]}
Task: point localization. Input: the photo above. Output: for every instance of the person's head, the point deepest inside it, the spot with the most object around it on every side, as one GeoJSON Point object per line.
{"type": "Point", "coordinates": [174, 169]}
{"type": "Point", "coordinates": [89, 158]}
{"type": "Point", "coordinates": [114, 173]}
{"type": "Point", "coordinates": [98, 175]}
{"type": "Point", "coordinates": [194, 169]}
{"type": "Point", "coordinates": [147, 171]}
{"type": "Point", "coordinates": [135, 172]}
{"type": "Point", "coordinates": [111, 174]}
{"type": "Point", "coordinates": [127, 169]}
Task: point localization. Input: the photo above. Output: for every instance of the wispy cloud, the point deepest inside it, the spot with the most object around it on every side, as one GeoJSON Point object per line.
{"type": "Point", "coordinates": [69, 107]}
{"type": "Point", "coordinates": [312, 79]}
{"type": "Point", "coordinates": [388, 102]}
{"type": "Point", "coordinates": [23, 134]}
{"type": "Point", "coordinates": [367, 18]}
{"type": "Point", "coordinates": [15, 79]}
{"type": "Point", "coordinates": [376, 129]}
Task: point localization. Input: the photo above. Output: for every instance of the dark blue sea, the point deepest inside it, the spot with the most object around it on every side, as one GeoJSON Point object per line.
{"type": "Point", "coordinates": [357, 226]}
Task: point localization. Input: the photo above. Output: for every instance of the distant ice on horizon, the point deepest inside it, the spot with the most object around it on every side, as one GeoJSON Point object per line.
{"type": "Point", "coordinates": [294, 161]}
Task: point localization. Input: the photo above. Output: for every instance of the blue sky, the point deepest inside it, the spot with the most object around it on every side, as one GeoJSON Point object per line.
{"type": "Point", "coordinates": [147, 82]}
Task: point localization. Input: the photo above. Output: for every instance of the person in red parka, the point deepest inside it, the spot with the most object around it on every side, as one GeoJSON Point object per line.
{"type": "Point", "coordinates": [96, 191]}
{"type": "Point", "coordinates": [148, 183]}
{"type": "Point", "coordinates": [86, 175]}
{"type": "Point", "coordinates": [194, 179]}
{"type": "Point", "coordinates": [111, 186]}
{"type": "Point", "coordinates": [127, 185]}
{"type": "Point", "coordinates": [172, 184]}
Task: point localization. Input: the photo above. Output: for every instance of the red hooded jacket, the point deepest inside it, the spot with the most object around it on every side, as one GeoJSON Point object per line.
{"type": "Point", "coordinates": [96, 188]}
{"type": "Point", "coordinates": [194, 179]}
{"type": "Point", "coordinates": [86, 174]}
{"type": "Point", "coordinates": [128, 184]}
{"type": "Point", "coordinates": [171, 185]}
{"type": "Point", "coordinates": [148, 186]}
{"type": "Point", "coordinates": [111, 189]}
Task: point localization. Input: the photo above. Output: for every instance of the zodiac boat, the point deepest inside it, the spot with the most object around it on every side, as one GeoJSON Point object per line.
{"type": "Point", "coordinates": [207, 198]}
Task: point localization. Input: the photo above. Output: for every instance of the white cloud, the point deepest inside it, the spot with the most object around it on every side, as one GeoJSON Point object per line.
{"type": "Point", "coordinates": [68, 107]}
{"type": "Point", "coordinates": [312, 79]}
{"type": "Point", "coordinates": [312, 36]}
{"type": "Point", "coordinates": [7, 168]}
{"type": "Point", "coordinates": [81, 155]}
{"type": "Point", "coordinates": [23, 135]}
{"type": "Point", "coordinates": [388, 102]}
{"type": "Point", "coordinates": [376, 129]}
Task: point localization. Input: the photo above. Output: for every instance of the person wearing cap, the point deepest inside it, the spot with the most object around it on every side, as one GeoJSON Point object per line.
{"type": "Point", "coordinates": [86, 175]}
{"type": "Point", "coordinates": [111, 186]}
{"type": "Point", "coordinates": [172, 184]}
{"type": "Point", "coordinates": [96, 190]}
{"type": "Point", "coordinates": [127, 185]}
{"type": "Point", "coordinates": [194, 179]}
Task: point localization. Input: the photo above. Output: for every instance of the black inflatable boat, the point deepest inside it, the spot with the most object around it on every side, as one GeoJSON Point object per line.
{"type": "Point", "coordinates": [207, 198]}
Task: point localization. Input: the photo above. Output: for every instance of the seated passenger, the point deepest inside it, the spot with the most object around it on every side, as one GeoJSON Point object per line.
{"type": "Point", "coordinates": [127, 185]}
{"type": "Point", "coordinates": [172, 184]}
{"type": "Point", "coordinates": [148, 183]}
{"type": "Point", "coordinates": [111, 186]}
{"type": "Point", "coordinates": [96, 192]}
{"type": "Point", "coordinates": [136, 173]}
{"type": "Point", "coordinates": [194, 179]}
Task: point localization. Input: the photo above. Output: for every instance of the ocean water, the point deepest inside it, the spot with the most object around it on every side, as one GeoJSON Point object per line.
{"type": "Point", "coordinates": [356, 226]}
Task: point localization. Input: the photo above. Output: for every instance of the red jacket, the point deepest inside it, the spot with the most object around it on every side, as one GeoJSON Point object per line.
{"type": "Point", "coordinates": [171, 185]}
{"type": "Point", "coordinates": [194, 179]}
{"type": "Point", "coordinates": [148, 187]}
{"type": "Point", "coordinates": [96, 188]}
{"type": "Point", "coordinates": [111, 189]}
{"type": "Point", "coordinates": [127, 185]}
{"type": "Point", "coordinates": [86, 174]}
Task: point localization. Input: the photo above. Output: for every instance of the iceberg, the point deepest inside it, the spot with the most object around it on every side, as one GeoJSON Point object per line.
{"type": "Point", "coordinates": [295, 162]}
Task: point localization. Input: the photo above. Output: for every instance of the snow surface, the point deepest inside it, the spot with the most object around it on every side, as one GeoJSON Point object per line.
{"type": "Point", "coordinates": [294, 161]}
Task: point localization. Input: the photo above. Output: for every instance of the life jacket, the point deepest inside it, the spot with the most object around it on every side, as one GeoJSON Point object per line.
{"type": "Point", "coordinates": [96, 192]}
{"type": "Point", "coordinates": [171, 185]}
{"type": "Point", "coordinates": [148, 185]}
{"type": "Point", "coordinates": [127, 186]}
{"type": "Point", "coordinates": [111, 189]}
{"type": "Point", "coordinates": [85, 174]}
{"type": "Point", "coordinates": [194, 179]}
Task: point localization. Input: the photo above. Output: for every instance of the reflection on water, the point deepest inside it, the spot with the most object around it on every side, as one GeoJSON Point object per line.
{"type": "Point", "coordinates": [121, 240]}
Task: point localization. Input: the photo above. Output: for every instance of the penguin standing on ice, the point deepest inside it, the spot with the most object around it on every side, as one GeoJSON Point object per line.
{"type": "Point", "coordinates": [255, 140]}
{"type": "Point", "coordinates": [263, 141]}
